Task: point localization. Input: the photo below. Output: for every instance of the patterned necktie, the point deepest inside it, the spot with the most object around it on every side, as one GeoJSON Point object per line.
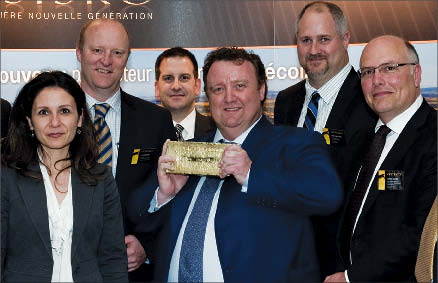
{"type": "Point", "coordinates": [312, 111]}
{"type": "Point", "coordinates": [103, 133]}
{"type": "Point", "coordinates": [424, 265]}
{"type": "Point", "coordinates": [365, 176]}
{"type": "Point", "coordinates": [192, 247]}
{"type": "Point", "coordinates": [178, 130]}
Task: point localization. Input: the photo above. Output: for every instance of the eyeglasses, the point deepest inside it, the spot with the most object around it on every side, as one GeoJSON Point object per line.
{"type": "Point", "coordinates": [368, 72]}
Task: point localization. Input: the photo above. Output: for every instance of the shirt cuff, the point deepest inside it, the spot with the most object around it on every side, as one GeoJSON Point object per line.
{"type": "Point", "coordinates": [153, 205]}
{"type": "Point", "coordinates": [346, 276]}
{"type": "Point", "coordinates": [245, 184]}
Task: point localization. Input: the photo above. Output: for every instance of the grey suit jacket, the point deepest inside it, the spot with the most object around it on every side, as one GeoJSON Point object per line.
{"type": "Point", "coordinates": [98, 252]}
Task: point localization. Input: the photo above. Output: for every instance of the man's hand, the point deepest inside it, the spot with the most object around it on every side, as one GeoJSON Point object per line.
{"type": "Point", "coordinates": [135, 251]}
{"type": "Point", "coordinates": [169, 184]}
{"type": "Point", "coordinates": [235, 161]}
{"type": "Point", "coordinates": [336, 277]}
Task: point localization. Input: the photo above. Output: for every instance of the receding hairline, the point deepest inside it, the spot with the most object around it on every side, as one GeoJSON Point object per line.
{"type": "Point", "coordinates": [92, 23]}
{"type": "Point", "coordinates": [408, 47]}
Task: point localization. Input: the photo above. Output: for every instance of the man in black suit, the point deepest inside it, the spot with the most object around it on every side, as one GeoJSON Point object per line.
{"type": "Point", "coordinates": [177, 85]}
{"type": "Point", "coordinates": [341, 115]}
{"type": "Point", "coordinates": [137, 128]}
{"type": "Point", "coordinates": [396, 185]}
{"type": "Point", "coordinates": [5, 111]}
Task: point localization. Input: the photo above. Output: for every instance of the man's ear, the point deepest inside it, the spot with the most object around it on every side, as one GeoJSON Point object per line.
{"type": "Point", "coordinates": [417, 75]}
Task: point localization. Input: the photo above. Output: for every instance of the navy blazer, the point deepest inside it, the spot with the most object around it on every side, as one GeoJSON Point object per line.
{"type": "Point", "coordinates": [387, 234]}
{"type": "Point", "coordinates": [98, 251]}
{"type": "Point", "coordinates": [264, 235]}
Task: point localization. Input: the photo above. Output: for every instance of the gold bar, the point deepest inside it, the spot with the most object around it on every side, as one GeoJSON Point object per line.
{"type": "Point", "coordinates": [195, 158]}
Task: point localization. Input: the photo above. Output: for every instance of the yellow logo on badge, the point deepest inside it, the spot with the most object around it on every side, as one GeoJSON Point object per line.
{"type": "Point", "coordinates": [135, 155]}
{"type": "Point", "coordinates": [381, 180]}
{"type": "Point", "coordinates": [326, 135]}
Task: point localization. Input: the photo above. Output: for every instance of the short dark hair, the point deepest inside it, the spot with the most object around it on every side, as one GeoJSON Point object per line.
{"type": "Point", "coordinates": [176, 52]}
{"type": "Point", "coordinates": [21, 148]}
{"type": "Point", "coordinates": [239, 55]}
{"type": "Point", "coordinates": [334, 10]}
{"type": "Point", "coordinates": [81, 38]}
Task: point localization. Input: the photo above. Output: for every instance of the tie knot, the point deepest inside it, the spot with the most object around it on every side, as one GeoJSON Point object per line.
{"type": "Point", "coordinates": [315, 97]}
{"type": "Point", "coordinates": [101, 109]}
{"type": "Point", "coordinates": [178, 130]}
{"type": "Point", "coordinates": [383, 131]}
{"type": "Point", "coordinates": [226, 142]}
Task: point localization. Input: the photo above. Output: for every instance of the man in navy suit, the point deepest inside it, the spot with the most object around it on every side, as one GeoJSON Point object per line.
{"type": "Point", "coordinates": [381, 227]}
{"type": "Point", "coordinates": [177, 85]}
{"type": "Point", "coordinates": [138, 128]}
{"type": "Point", "coordinates": [271, 180]}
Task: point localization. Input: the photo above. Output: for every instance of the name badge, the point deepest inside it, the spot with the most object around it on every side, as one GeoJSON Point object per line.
{"type": "Point", "coordinates": [333, 136]}
{"type": "Point", "coordinates": [390, 180]}
{"type": "Point", "coordinates": [142, 155]}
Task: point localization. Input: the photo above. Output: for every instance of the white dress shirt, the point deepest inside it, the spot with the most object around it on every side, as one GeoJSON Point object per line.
{"type": "Point", "coordinates": [328, 92]}
{"type": "Point", "coordinates": [189, 125]}
{"type": "Point", "coordinates": [212, 270]}
{"type": "Point", "coordinates": [113, 120]}
{"type": "Point", "coordinates": [61, 229]}
{"type": "Point", "coordinates": [397, 124]}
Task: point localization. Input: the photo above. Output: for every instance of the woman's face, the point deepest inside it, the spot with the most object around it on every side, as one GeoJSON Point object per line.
{"type": "Point", "coordinates": [54, 119]}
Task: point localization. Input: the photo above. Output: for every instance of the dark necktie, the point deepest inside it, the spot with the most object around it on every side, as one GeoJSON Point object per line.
{"type": "Point", "coordinates": [365, 176]}
{"type": "Point", "coordinates": [103, 134]}
{"type": "Point", "coordinates": [192, 247]}
{"type": "Point", "coordinates": [178, 130]}
{"type": "Point", "coordinates": [312, 111]}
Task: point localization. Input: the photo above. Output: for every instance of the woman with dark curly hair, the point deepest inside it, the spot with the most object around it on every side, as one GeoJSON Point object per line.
{"type": "Point", "coordinates": [61, 219]}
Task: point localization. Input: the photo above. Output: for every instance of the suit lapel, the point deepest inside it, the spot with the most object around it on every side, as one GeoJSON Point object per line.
{"type": "Point", "coordinates": [82, 198]}
{"type": "Point", "coordinates": [127, 109]}
{"type": "Point", "coordinates": [35, 200]}
{"type": "Point", "coordinates": [342, 105]}
{"type": "Point", "coordinates": [398, 151]}
{"type": "Point", "coordinates": [297, 101]}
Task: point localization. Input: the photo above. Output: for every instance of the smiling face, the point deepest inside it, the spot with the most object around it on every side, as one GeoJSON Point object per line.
{"type": "Point", "coordinates": [392, 93]}
{"type": "Point", "coordinates": [103, 58]}
{"type": "Point", "coordinates": [235, 96]}
{"type": "Point", "coordinates": [322, 52]}
{"type": "Point", "coordinates": [54, 118]}
{"type": "Point", "coordinates": [177, 86]}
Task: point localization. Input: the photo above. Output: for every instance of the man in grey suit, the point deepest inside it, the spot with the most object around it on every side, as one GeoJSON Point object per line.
{"type": "Point", "coordinates": [177, 85]}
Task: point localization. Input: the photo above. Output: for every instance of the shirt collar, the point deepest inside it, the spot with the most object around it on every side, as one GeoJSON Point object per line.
{"type": "Point", "coordinates": [330, 89]}
{"type": "Point", "coordinates": [240, 139]}
{"type": "Point", "coordinates": [114, 101]}
{"type": "Point", "coordinates": [188, 122]}
{"type": "Point", "coordinates": [398, 123]}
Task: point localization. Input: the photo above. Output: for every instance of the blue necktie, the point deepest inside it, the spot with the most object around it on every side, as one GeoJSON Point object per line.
{"type": "Point", "coordinates": [312, 111]}
{"type": "Point", "coordinates": [192, 247]}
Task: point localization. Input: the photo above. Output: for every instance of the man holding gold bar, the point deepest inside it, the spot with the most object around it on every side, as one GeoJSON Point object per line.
{"type": "Point", "coordinates": [251, 223]}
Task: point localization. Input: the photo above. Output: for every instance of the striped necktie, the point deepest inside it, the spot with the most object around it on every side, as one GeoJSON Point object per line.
{"type": "Point", "coordinates": [103, 133]}
{"type": "Point", "coordinates": [312, 111]}
{"type": "Point", "coordinates": [178, 130]}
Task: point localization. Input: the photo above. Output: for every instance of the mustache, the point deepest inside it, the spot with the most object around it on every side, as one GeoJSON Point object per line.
{"type": "Point", "coordinates": [316, 57]}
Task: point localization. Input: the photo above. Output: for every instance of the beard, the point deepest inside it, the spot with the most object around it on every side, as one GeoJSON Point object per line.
{"type": "Point", "coordinates": [316, 74]}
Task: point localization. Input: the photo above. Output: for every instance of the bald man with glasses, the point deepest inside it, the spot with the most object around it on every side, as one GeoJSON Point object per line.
{"type": "Point", "coordinates": [393, 188]}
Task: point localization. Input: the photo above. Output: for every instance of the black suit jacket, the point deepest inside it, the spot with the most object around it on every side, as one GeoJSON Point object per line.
{"type": "Point", "coordinates": [98, 251]}
{"type": "Point", "coordinates": [145, 127]}
{"type": "Point", "coordinates": [385, 242]}
{"type": "Point", "coordinates": [351, 114]}
{"type": "Point", "coordinates": [5, 111]}
{"type": "Point", "coordinates": [203, 125]}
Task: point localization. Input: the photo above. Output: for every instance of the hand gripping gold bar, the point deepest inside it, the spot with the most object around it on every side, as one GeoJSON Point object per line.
{"type": "Point", "coordinates": [195, 158]}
